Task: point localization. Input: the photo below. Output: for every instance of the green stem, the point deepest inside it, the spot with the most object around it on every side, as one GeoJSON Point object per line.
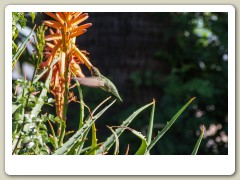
{"type": "Point", "coordinates": [81, 105]}
{"type": "Point", "coordinates": [65, 103]}
{"type": "Point", "coordinates": [64, 114]}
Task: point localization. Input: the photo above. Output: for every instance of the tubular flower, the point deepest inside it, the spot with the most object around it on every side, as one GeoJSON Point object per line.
{"type": "Point", "coordinates": [64, 28]}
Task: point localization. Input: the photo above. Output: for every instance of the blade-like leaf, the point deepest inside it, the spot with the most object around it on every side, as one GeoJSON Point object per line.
{"type": "Point", "coordinates": [73, 149]}
{"type": "Point", "coordinates": [150, 126]}
{"type": "Point", "coordinates": [111, 140]}
{"type": "Point", "coordinates": [40, 102]}
{"type": "Point", "coordinates": [94, 138]}
{"type": "Point", "coordinates": [168, 125]}
{"type": "Point", "coordinates": [45, 70]}
{"type": "Point", "coordinates": [79, 134]}
{"type": "Point", "coordinates": [89, 149]}
{"type": "Point", "coordinates": [55, 144]}
{"type": "Point", "coordinates": [116, 150]}
{"type": "Point", "coordinates": [22, 48]}
{"type": "Point", "coordinates": [15, 107]}
{"type": "Point", "coordinates": [143, 148]}
{"type": "Point", "coordinates": [195, 150]}
{"type": "Point", "coordinates": [79, 151]}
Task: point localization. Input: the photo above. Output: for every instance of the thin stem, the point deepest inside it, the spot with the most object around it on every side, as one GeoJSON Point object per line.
{"type": "Point", "coordinates": [64, 112]}
{"type": "Point", "coordinates": [81, 105]}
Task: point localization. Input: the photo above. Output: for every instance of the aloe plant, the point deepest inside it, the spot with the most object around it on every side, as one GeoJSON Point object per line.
{"type": "Point", "coordinates": [37, 132]}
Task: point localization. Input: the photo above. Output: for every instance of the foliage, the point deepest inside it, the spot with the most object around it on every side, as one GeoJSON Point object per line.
{"type": "Point", "coordinates": [193, 53]}
{"type": "Point", "coordinates": [36, 131]}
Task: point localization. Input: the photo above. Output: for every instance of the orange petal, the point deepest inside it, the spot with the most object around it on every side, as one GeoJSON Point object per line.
{"type": "Point", "coordinates": [46, 63]}
{"type": "Point", "coordinates": [51, 37]}
{"type": "Point", "coordinates": [79, 19]}
{"type": "Point", "coordinates": [51, 32]}
{"type": "Point", "coordinates": [67, 16]}
{"type": "Point", "coordinates": [50, 45]}
{"type": "Point", "coordinates": [76, 69]}
{"type": "Point", "coordinates": [77, 60]}
{"type": "Point", "coordinates": [76, 14]}
{"type": "Point", "coordinates": [52, 15]}
{"type": "Point", "coordinates": [81, 56]}
{"type": "Point", "coordinates": [78, 33]}
{"type": "Point", "coordinates": [84, 26]}
{"type": "Point", "coordinates": [60, 17]}
{"type": "Point", "coordinates": [53, 24]}
{"type": "Point", "coordinates": [50, 58]}
{"type": "Point", "coordinates": [84, 52]}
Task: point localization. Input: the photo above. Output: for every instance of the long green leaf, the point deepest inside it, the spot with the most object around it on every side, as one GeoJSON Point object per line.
{"type": "Point", "coordinates": [45, 70]}
{"type": "Point", "coordinates": [116, 150]}
{"type": "Point", "coordinates": [73, 149]}
{"type": "Point", "coordinates": [79, 134]}
{"type": "Point", "coordinates": [15, 107]}
{"type": "Point", "coordinates": [143, 148]}
{"type": "Point", "coordinates": [79, 151]}
{"type": "Point", "coordinates": [21, 48]}
{"type": "Point", "coordinates": [195, 150]}
{"type": "Point", "coordinates": [150, 126]}
{"type": "Point", "coordinates": [111, 140]}
{"type": "Point", "coordinates": [54, 135]}
{"type": "Point", "coordinates": [89, 150]}
{"type": "Point", "coordinates": [40, 102]}
{"type": "Point", "coordinates": [94, 138]}
{"type": "Point", "coordinates": [168, 125]}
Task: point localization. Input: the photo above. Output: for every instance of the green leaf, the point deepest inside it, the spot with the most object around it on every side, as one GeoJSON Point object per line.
{"type": "Point", "coordinates": [73, 149]}
{"type": "Point", "coordinates": [116, 150]}
{"type": "Point", "coordinates": [32, 14]}
{"type": "Point", "coordinates": [79, 134]}
{"type": "Point", "coordinates": [168, 125]}
{"type": "Point", "coordinates": [143, 148]}
{"type": "Point", "coordinates": [40, 102]}
{"type": "Point", "coordinates": [94, 138]}
{"type": "Point", "coordinates": [150, 126]}
{"type": "Point", "coordinates": [15, 107]}
{"type": "Point", "coordinates": [21, 49]}
{"type": "Point", "coordinates": [79, 151]}
{"type": "Point", "coordinates": [54, 137]}
{"type": "Point", "coordinates": [111, 140]}
{"type": "Point", "coordinates": [195, 150]}
{"type": "Point", "coordinates": [45, 70]}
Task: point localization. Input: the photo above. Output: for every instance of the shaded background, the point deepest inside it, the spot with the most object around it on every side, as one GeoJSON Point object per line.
{"type": "Point", "coordinates": [167, 56]}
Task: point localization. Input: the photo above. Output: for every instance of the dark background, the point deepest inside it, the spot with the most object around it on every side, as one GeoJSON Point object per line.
{"type": "Point", "coordinates": [170, 57]}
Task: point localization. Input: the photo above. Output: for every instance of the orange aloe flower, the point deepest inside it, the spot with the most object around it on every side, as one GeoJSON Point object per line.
{"type": "Point", "coordinates": [64, 28]}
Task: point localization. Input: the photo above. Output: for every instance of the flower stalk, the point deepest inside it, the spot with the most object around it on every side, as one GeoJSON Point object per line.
{"type": "Point", "coordinates": [61, 44]}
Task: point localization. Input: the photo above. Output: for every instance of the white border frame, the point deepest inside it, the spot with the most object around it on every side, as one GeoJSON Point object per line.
{"type": "Point", "coordinates": [118, 165]}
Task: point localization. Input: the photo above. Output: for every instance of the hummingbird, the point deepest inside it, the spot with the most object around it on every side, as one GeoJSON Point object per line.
{"type": "Point", "coordinates": [98, 80]}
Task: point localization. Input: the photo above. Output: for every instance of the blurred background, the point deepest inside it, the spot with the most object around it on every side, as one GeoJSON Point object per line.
{"type": "Point", "coordinates": [170, 57]}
